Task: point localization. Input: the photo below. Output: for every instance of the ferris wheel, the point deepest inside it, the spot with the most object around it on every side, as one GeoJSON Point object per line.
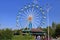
{"type": "Point", "coordinates": [31, 14]}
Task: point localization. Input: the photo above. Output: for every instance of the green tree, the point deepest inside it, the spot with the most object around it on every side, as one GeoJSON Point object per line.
{"type": "Point", "coordinates": [53, 25]}
{"type": "Point", "coordinates": [53, 29]}
{"type": "Point", "coordinates": [6, 34]}
{"type": "Point", "coordinates": [57, 31]}
{"type": "Point", "coordinates": [50, 30]}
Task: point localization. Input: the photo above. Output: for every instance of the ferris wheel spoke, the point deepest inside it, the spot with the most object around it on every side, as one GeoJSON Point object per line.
{"type": "Point", "coordinates": [25, 13]}
{"type": "Point", "coordinates": [36, 13]}
{"type": "Point", "coordinates": [22, 19]}
{"type": "Point", "coordinates": [22, 15]}
{"type": "Point", "coordinates": [37, 20]}
{"type": "Point", "coordinates": [37, 23]}
{"type": "Point", "coordinates": [34, 25]}
{"type": "Point", "coordinates": [32, 10]}
{"type": "Point", "coordinates": [37, 17]}
{"type": "Point", "coordinates": [28, 11]}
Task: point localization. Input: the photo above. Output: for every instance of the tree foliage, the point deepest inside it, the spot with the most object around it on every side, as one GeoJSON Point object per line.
{"type": "Point", "coordinates": [6, 34]}
{"type": "Point", "coordinates": [57, 31]}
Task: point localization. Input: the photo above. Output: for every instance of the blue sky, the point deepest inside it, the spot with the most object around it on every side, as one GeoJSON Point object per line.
{"type": "Point", "coordinates": [9, 10]}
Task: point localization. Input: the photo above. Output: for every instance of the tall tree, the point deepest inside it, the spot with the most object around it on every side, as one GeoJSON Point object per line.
{"type": "Point", "coordinates": [53, 25]}
{"type": "Point", "coordinates": [57, 31]}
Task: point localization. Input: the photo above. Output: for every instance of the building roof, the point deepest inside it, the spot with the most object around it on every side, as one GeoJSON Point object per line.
{"type": "Point", "coordinates": [36, 30]}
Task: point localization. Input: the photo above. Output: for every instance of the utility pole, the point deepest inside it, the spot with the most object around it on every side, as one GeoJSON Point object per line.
{"type": "Point", "coordinates": [48, 9]}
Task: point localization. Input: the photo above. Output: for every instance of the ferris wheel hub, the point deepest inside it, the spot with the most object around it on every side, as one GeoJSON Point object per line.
{"type": "Point", "coordinates": [30, 18]}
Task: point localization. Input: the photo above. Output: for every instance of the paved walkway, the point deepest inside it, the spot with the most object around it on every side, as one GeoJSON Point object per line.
{"type": "Point", "coordinates": [54, 39]}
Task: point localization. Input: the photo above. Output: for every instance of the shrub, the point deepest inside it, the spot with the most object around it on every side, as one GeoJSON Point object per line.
{"type": "Point", "coordinates": [6, 34]}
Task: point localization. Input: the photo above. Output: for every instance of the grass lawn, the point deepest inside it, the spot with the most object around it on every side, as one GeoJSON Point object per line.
{"type": "Point", "coordinates": [20, 37]}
